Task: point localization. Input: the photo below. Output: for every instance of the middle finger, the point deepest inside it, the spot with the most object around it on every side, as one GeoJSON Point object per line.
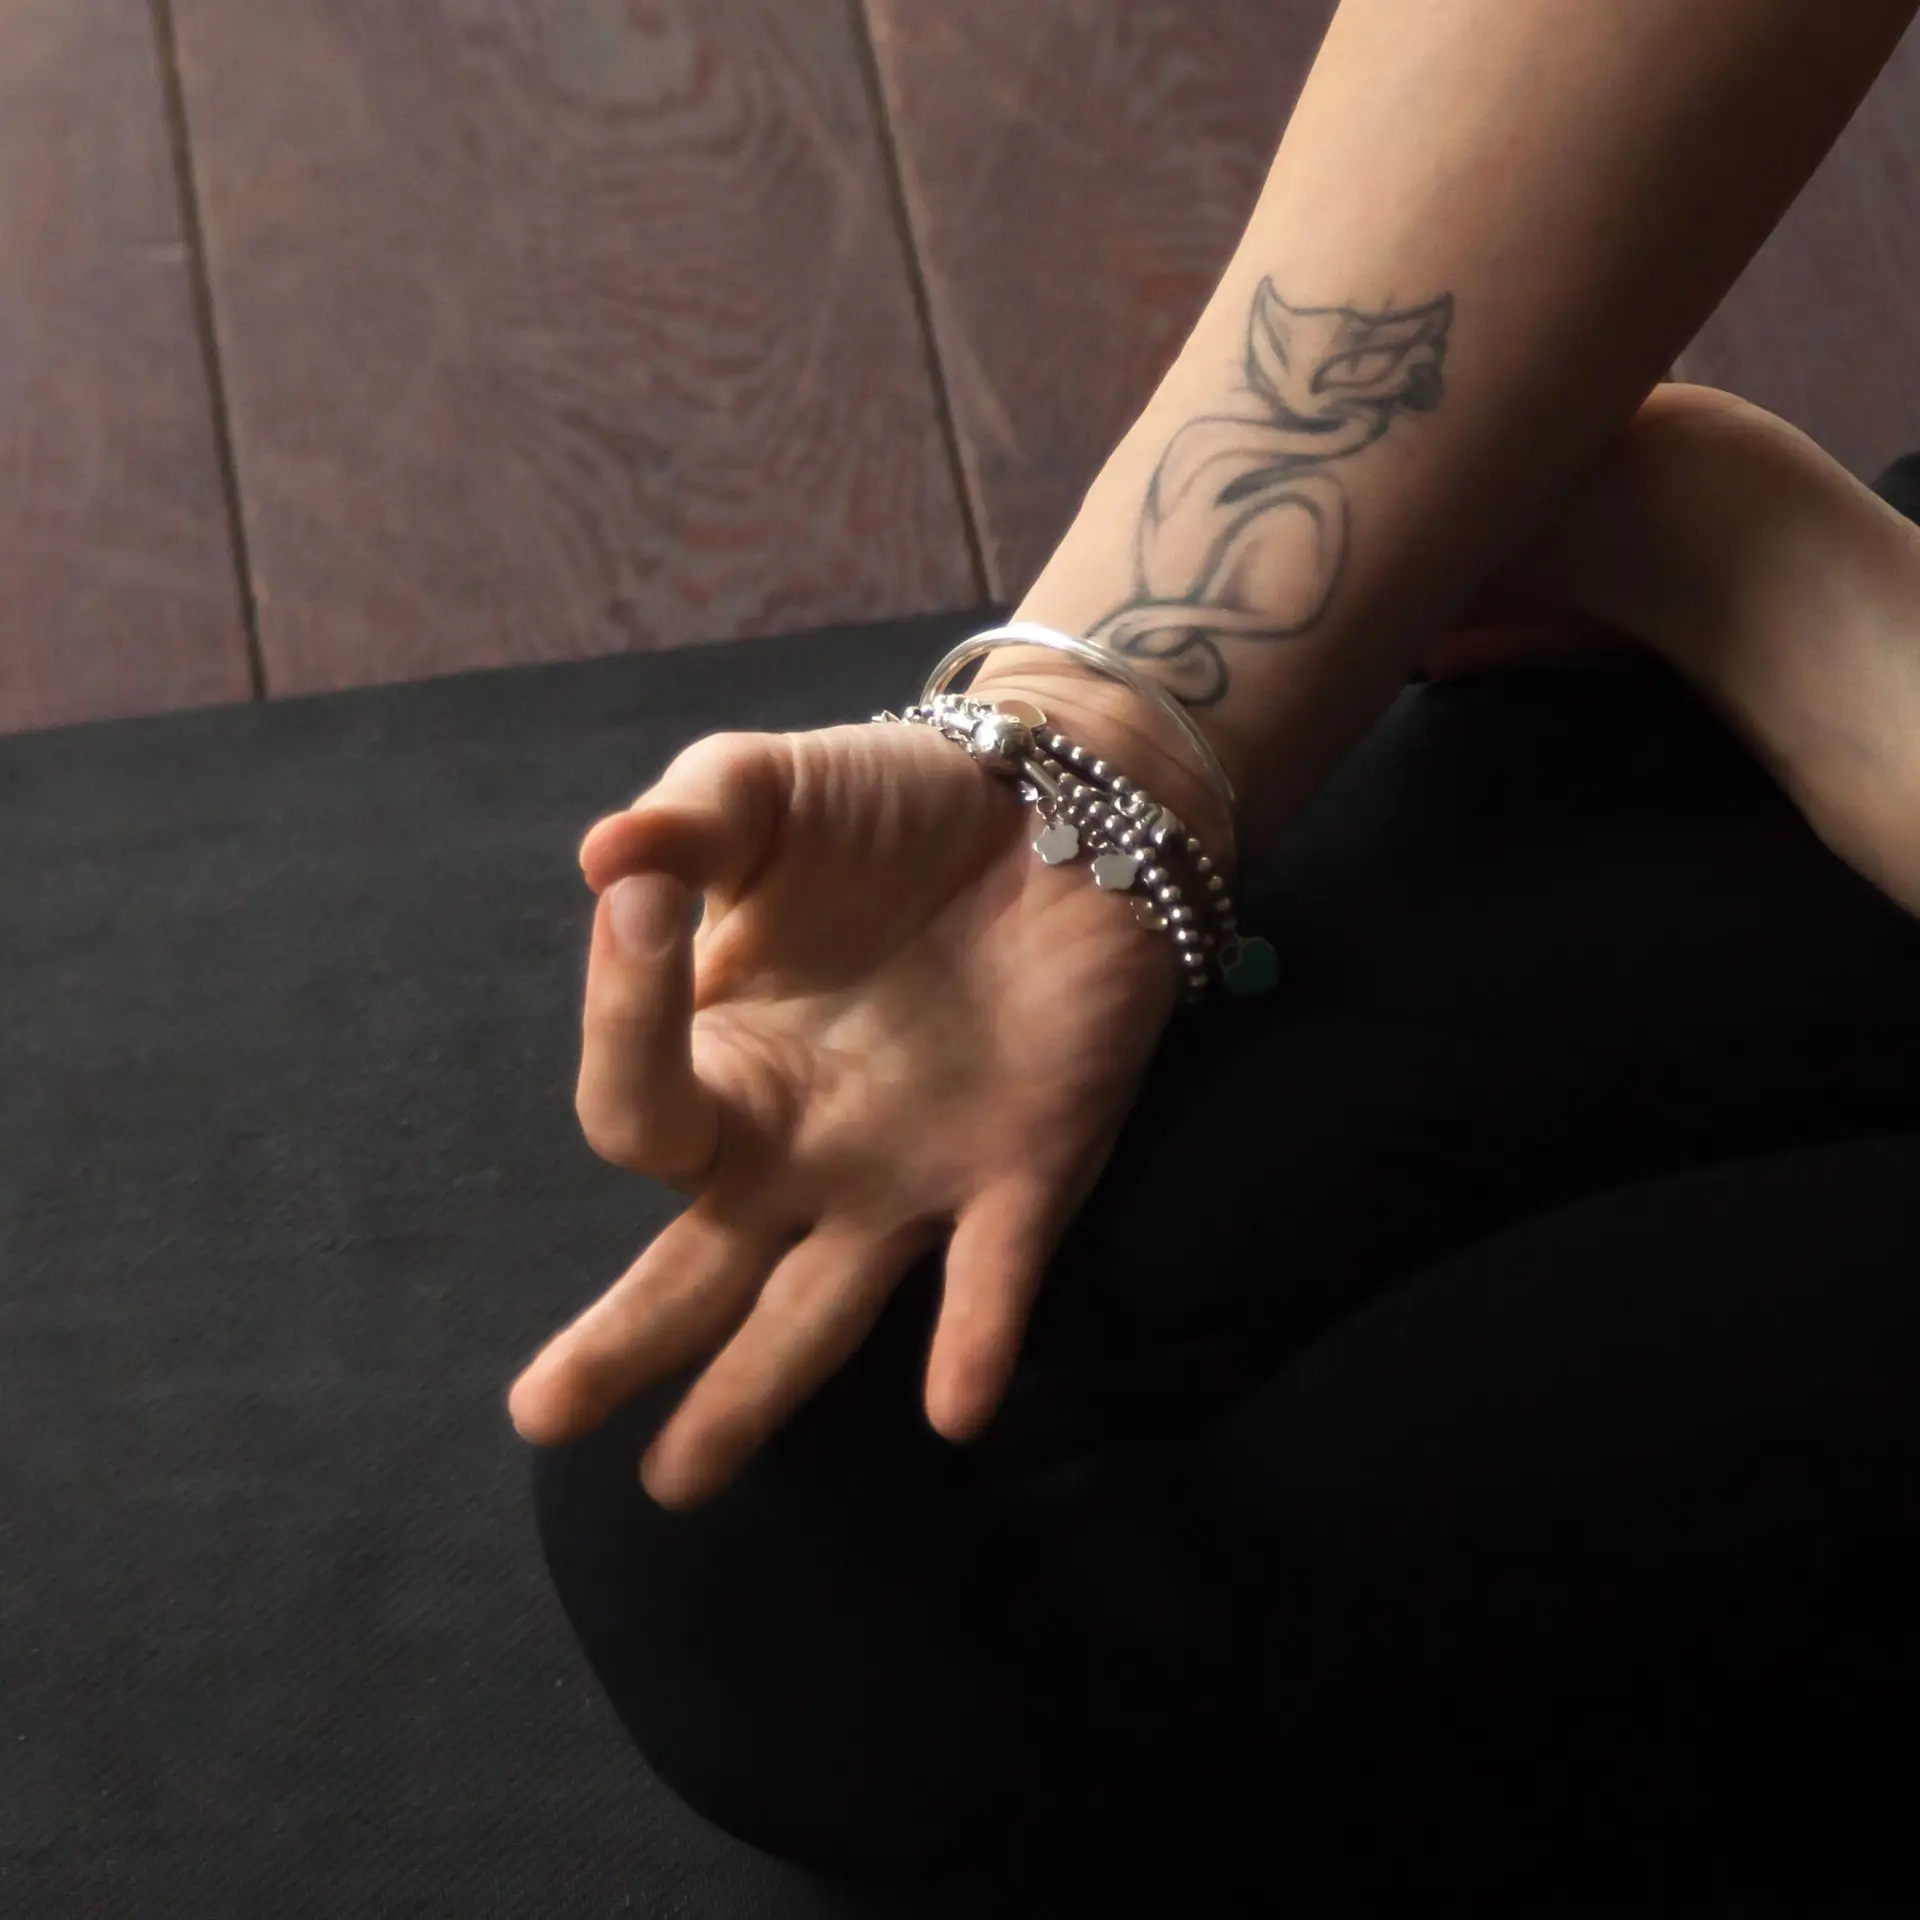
{"type": "Point", "coordinates": [818, 1305]}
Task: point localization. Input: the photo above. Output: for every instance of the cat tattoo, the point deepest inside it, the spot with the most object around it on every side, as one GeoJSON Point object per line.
{"type": "Point", "coordinates": [1244, 529]}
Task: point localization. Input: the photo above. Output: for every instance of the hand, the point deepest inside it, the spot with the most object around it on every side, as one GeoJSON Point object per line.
{"type": "Point", "coordinates": [893, 1021]}
{"type": "Point", "coordinates": [1588, 579]}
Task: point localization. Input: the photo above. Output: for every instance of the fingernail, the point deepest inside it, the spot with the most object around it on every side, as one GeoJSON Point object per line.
{"type": "Point", "coordinates": [646, 913]}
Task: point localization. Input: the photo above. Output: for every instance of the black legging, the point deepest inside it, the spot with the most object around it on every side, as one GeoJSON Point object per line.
{"type": "Point", "coordinates": [1469, 1442]}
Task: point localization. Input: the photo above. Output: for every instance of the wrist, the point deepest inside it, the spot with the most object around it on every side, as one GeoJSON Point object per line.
{"type": "Point", "coordinates": [1122, 727]}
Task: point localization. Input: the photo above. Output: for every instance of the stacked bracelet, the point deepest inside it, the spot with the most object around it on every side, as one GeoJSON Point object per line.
{"type": "Point", "coordinates": [1136, 845]}
{"type": "Point", "coordinates": [1110, 666]}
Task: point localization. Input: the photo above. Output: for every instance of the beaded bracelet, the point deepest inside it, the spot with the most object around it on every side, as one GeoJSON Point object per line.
{"type": "Point", "coordinates": [1135, 843]}
{"type": "Point", "coordinates": [1110, 666]}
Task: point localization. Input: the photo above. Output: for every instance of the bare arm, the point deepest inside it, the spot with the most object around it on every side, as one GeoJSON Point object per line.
{"type": "Point", "coordinates": [1490, 227]}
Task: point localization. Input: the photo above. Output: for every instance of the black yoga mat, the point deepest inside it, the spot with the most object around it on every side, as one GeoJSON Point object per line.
{"type": "Point", "coordinates": [290, 1183]}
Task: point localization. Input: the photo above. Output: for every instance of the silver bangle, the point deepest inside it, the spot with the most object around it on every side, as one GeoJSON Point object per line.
{"type": "Point", "coordinates": [1102, 661]}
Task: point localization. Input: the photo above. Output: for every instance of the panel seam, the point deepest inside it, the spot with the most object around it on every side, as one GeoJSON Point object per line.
{"type": "Point", "coordinates": [200, 280]}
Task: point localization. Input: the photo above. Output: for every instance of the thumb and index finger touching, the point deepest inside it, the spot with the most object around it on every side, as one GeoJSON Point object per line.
{"type": "Point", "coordinates": [705, 826]}
{"type": "Point", "coordinates": [709, 820]}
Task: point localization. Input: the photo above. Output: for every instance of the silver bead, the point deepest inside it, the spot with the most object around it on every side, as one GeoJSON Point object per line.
{"type": "Point", "coordinates": [1078, 756]}
{"type": "Point", "coordinates": [1194, 847]}
{"type": "Point", "coordinates": [1216, 882]}
{"type": "Point", "coordinates": [1130, 838]}
{"type": "Point", "coordinates": [1122, 786]}
{"type": "Point", "coordinates": [1181, 917]}
{"type": "Point", "coordinates": [1001, 738]}
{"type": "Point", "coordinates": [1098, 770]}
{"type": "Point", "coordinates": [1168, 896]}
{"type": "Point", "coordinates": [1186, 937]}
{"type": "Point", "coordinates": [1153, 874]}
{"type": "Point", "coordinates": [1201, 864]}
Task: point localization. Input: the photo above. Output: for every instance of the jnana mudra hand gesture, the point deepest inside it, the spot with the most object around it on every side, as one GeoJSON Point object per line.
{"type": "Point", "coordinates": [933, 964]}
{"type": "Point", "coordinates": [897, 1023]}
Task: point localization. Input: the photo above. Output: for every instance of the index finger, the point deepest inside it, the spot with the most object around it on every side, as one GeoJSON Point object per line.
{"type": "Point", "coordinates": [710, 819]}
{"type": "Point", "coordinates": [639, 1100]}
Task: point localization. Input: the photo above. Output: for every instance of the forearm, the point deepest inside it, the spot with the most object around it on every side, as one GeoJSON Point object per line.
{"type": "Point", "coordinates": [1525, 209]}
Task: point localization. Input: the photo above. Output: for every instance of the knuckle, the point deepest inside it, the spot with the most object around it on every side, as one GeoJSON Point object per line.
{"type": "Point", "coordinates": [720, 759]}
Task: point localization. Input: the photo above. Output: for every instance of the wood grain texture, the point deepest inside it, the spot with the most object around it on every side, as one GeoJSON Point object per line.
{"type": "Point", "coordinates": [557, 328]}
{"type": "Point", "coordinates": [118, 593]}
{"type": "Point", "coordinates": [1077, 173]}
{"type": "Point", "coordinates": [1822, 326]}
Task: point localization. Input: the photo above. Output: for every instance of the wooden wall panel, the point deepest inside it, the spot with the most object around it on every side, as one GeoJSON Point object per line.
{"type": "Point", "coordinates": [118, 593]}
{"type": "Point", "coordinates": [1077, 173]}
{"type": "Point", "coordinates": [1824, 326]}
{"type": "Point", "coordinates": [556, 328]}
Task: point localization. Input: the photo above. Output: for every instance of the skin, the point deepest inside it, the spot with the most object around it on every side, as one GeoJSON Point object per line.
{"type": "Point", "coordinates": [1722, 538]}
{"type": "Point", "coordinates": [1489, 230]}
{"type": "Point", "coordinates": [894, 1024]}
{"type": "Point", "coordinates": [842, 1072]}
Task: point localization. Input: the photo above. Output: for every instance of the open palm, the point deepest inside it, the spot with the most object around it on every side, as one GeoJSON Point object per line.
{"type": "Point", "coordinates": [894, 1023]}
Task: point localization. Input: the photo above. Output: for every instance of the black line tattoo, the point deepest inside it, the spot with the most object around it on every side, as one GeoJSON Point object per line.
{"type": "Point", "coordinates": [1244, 528]}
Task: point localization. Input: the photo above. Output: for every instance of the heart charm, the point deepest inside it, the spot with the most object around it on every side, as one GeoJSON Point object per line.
{"type": "Point", "coordinates": [1057, 842]}
{"type": "Point", "coordinates": [1254, 969]}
